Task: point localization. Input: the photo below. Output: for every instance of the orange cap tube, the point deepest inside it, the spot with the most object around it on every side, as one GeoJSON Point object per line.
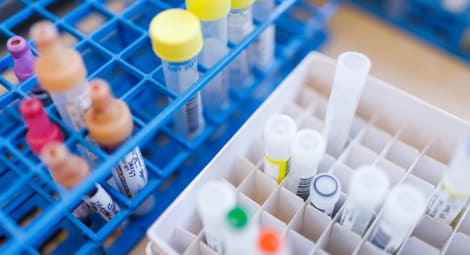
{"type": "Point", "coordinates": [109, 119]}
{"type": "Point", "coordinates": [58, 69]}
{"type": "Point", "coordinates": [68, 170]}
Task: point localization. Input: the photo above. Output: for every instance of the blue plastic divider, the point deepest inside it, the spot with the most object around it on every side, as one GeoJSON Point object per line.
{"type": "Point", "coordinates": [113, 39]}
{"type": "Point", "coordinates": [428, 20]}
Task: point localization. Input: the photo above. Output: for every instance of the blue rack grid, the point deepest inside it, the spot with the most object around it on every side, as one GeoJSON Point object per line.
{"type": "Point", "coordinates": [428, 20]}
{"type": "Point", "coordinates": [113, 40]}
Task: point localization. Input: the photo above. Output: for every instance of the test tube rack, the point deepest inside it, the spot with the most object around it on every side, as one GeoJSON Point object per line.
{"type": "Point", "coordinates": [427, 20]}
{"type": "Point", "coordinates": [112, 37]}
{"type": "Point", "coordinates": [412, 141]}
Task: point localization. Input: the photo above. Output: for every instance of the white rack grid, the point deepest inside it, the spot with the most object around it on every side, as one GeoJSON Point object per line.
{"type": "Point", "coordinates": [408, 138]}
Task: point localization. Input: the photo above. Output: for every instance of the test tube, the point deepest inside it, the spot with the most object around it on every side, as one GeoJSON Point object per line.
{"type": "Point", "coordinates": [401, 212]}
{"type": "Point", "coordinates": [23, 66]}
{"type": "Point", "coordinates": [307, 151]}
{"type": "Point", "coordinates": [325, 193]}
{"type": "Point", "coordinates": [240, 232]}
{"type": "Point", "coordinates": [41, 131]}
{"type": "Point", "coordinates": [350, 76]}
{"type": "Point", "coordinates": [367, 190]}
{"type": "Point", "coordinates": [69, 170]}
{"type": "Point", "coordinates": [61, 72]}
{"type": "Point", "coordinates": [240, 24]}
{"type": "Point", "coordinates": [110, 124]}
{"type": "Point", "coordinates": [263, 48]}
{"type": "Point", "coordinates": [177, 39]}
{"type": "Point", "coordinates": [213, 17]}
{"type": "Point", "coordinates": [279, 131]}
{"type": "Point", "coordinates": [214, 200]}
{"type": "Point", "coordinates": [455, 6]}
{"type": "Point", "coordinates": [453, 192]}
{"type": "Point", "coordinates": [270, 242]}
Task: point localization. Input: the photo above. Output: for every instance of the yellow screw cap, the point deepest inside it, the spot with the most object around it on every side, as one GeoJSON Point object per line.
{"type": "Point", "coordinates": [241, 4]}
{"type": "Point", "coordinates": [176, 35]}
{"type": "Point", "coordinates": [209, 10]}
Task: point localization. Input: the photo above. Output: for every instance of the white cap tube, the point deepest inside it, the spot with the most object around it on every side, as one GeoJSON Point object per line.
{"type": "Point", "coordinates": [402, 210]}
{"type": "Point", "coordinates": [325, 193]}
{"type": "Point", "coordinates": [279, 132]}
{"type": "Point", "coordinates": [367, 190]}
{"type": "Point", "coordinates": [308, 148]}
{"type": "Point", "coordinates": [351, 73]}
{"type": "Point", "coordinates": [215, 199]}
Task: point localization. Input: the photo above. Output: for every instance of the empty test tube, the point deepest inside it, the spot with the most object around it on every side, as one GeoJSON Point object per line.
{"type": "Point", "coordinates": [279, 131]}
{"type": "Point", "coordinates": [263, 49]}
{"type": "Point", "coordinates": [214, 201]}
{"type": "Point", "coordinates": [240, 232]}
{"type": "Point", "coordinates": [110, 124]}
{"type": "Point", "coordinates": [68, 170]}
{"type": "Point", "coordinates": [325, 193]}
{"type": "Point", "coordinates": [307, 151]}
{"type": "Point", "coordinates": [402, 210]}
{"type": "Point", "coordinates": [453, 192]}
{"type": "Point", "coordinates": [23, 66]}
{"type": "Point", "coordinates": [213, 17]}
{"type": "Point", "coordinates": [240, 24]}
{"type": "Point", "coordinates": [177, 39]}
{"type": "Point", "coordinates": [367, 190]}
{"type": "Point", "coordinates": [350, 76]}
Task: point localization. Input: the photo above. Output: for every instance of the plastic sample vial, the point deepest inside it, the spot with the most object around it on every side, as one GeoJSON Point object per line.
{"type": "Point", "coordinates": [350, 76]}
{"type": "Point", "coordinates": [110, 124]}
{"type": "Point", "coordinates": [263, 48]}
{"type": "Point", "coordinates": [307, 151]}
{"type": "Point", "coordinates": [61, 72]}
{"type": "Point", "coordinates": [367, 190]}
{"type": "Point", "coordinates": [453, 192]}
{"type": "Point", "coordinates": [279, 131]}
{"type": "Point", "coordinates": [270, 242]}
{"type": "Point", "coordinates": [402, 210]}
{"type": "Point", "coordinates": [240, 24]}
{"type": "Point", "coordinates": [41, 131]}
{"type": "Point", "coordinates": [23, 67]}
{"type": "Point", "coordinates": [177, 39]}
{"type": "Point", "coordinates": [213, 17]}
{"type": "Point", "coordinates": [325, 193]}
{"type": "Point", "coordinates": [214, 200]}
{"type": "Point", "coordinates": [69, 170]}
{"type": "Point", "coordinates": [240, 232]}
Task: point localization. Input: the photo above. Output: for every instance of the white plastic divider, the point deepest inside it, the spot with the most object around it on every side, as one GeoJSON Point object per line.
{"type": "Point", "coordinates": [408, 138]}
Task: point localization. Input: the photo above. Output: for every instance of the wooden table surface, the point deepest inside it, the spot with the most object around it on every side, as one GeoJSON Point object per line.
{"type": "Point", "coordinates": [401, 60]}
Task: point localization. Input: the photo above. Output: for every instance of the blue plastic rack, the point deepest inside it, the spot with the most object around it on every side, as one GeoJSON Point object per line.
{"type": "Point", "coordinates": [428, 20]}
{"type": "Point", "coordinates": [112, 37]}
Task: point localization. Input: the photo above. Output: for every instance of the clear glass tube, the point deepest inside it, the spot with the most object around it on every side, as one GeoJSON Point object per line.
{"type": "Point", "coordinates": [178, 77]}
{"type": "Point", "coordinates": [215, 95]}
{"type": "Point", "coordinates": [240, 23]}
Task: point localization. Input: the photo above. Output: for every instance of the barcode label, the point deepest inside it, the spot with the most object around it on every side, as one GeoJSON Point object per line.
{"type": "Point", "coordinates": [192, 113]}
{"type": "Point", "coordinates": [303, 189]}
{"type": "Point", "coordinates": [131, 173]}
{"type": "Point", "coordinates": [102, 203]}
{"type": "Point", "coordinates": [443, 206]}
{"type": "Point", "coordinates": [348, 217]}
{"type": "Point", "coordinates": [381, 238]}
{"type": "Point", "coordinates": [76, 109]}
{"type": "Point", "coordinates": [214, 241]}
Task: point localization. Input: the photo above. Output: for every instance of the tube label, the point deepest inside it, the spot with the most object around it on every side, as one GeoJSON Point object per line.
{"type": "Point", "coordinates": [102, 203]}
{"type": "Point", "coordinates": [76, 108]}
{"type": "Point", "coordinates": [192, 113]}
{"type": "Point", "coordinates": [349, 216]}
{"type": "Point", "coordinates": [81, 211]}
{"type": "Point", "coordinates": [131, 173]}
{"type": "Point", "coordinates": [215, 241]}
{"type": "Point", "coordinates": [385, 240]}
{"type": "Point", "coordinates": [445, 205]}
{"type": "Point", "coordinates": [303, 188]}
{"type": "Point", "coordinates": [277, 169]}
